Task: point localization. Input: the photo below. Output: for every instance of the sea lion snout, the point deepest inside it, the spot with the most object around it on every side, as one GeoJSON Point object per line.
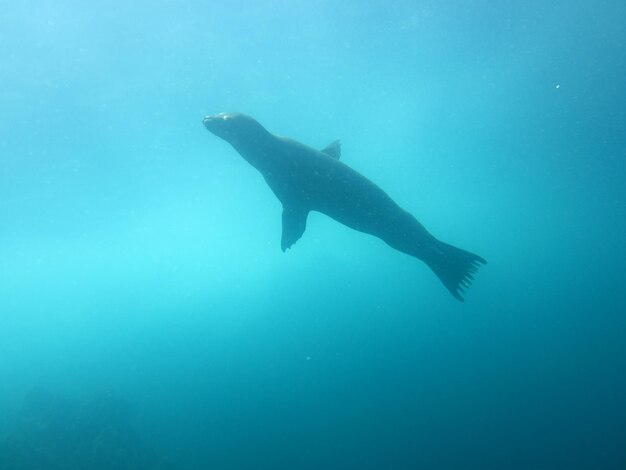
{"type": "Point", "coordinates": [213, 122]}
{"type": "Point", "coordinates": [209, 119]}
{"type": "Point", "coordinates": [232, 127]}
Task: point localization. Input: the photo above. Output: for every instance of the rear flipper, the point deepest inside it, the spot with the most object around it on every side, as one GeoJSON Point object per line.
{"type": "Point", "coordinates": [455, 267]}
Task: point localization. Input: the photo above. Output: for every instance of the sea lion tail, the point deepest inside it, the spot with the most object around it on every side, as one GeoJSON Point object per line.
{"type": "Point", "coordinates": [454, 267]}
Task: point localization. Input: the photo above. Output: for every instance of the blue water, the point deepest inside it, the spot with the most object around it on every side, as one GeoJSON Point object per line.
{"type": "Point", "coordinates": [148, 318]}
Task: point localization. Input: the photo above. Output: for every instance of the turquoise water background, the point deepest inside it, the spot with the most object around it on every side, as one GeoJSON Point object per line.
{"type": "Point", "coordinates": [140, 255]}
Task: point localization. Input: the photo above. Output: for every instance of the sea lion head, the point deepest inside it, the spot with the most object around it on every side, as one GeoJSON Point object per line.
{"type": "Point", "coordinates": [235, 128]}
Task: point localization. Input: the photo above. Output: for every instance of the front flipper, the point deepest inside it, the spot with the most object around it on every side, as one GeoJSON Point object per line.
{"type": "Point", "coordinates": [294, 224]}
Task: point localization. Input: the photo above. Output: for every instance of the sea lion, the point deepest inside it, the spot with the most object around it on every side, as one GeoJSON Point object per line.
{"type": "Point", "coordinates": [305, 179]}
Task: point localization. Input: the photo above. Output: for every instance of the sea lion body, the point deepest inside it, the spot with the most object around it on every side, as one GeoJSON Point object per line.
{"type": "Point", "coordinates": [305, 179]}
